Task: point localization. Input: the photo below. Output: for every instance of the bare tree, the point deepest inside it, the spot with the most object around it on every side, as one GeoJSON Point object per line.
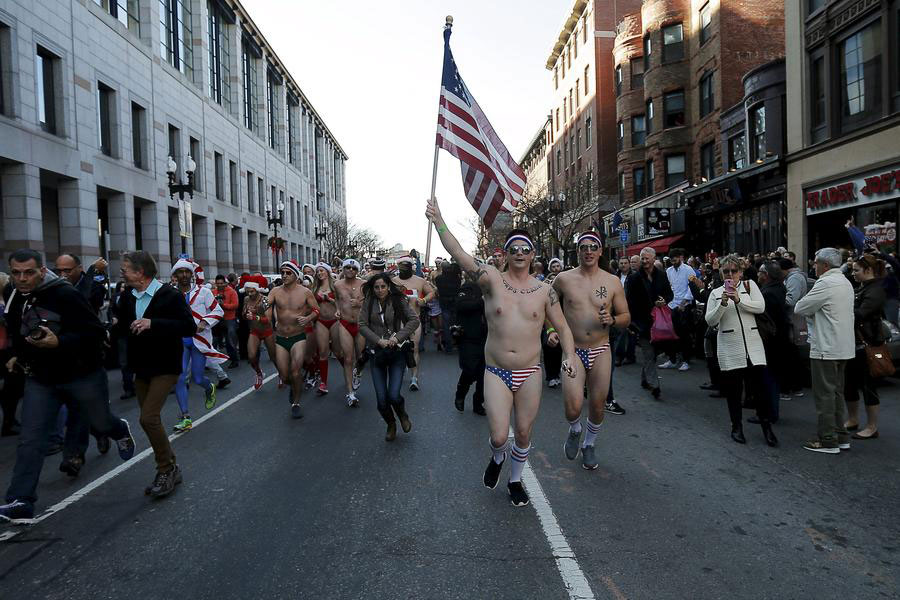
{"type": "Point", "coordinates": [347, 239]}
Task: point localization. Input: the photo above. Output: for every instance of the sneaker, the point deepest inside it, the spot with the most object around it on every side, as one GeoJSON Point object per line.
{"type": "Point", "coordinates": [460, 404]}
{"type": "Point", "coordinates": [296, 411]}
{"type": "Point", "coordinates": [126, 444]}
{"type": "Point", "coordinates": [553, 382]}
{"type": "Point", "coordinates": [844, 445]}
{"type": "Point", "coordinates": [492, 473]}
{"type": "Point", "coordinates": [16, 512]}
{"type": "Point", "coordinates": [571, 446]}
{"type": "Point", "coordinates": [322, 389]}
{"type": "Point", "coordinates": [310, 383]}
{"type": "Point", "coordinates": [784, 396]}
{"type": "Point", "coordinates": [185, 424]}
{"type": "Point", "coordinates": [614, 408]}
{"type": "Point", "coordinates": [211, 395]}
{"type": "Point", "coordinates": [684, 367]}
{"type": "Point", "coordinates": [414, 384]}
{"type": "Point", "coordinates": [352, 400]}
{"type": "Point", "coordinates": [223, 383]}
{"type": "Point", "coordinates": [164, 483]}
{"type": "Point", "coordinates": [824, 447]}
{"type": "Point", "coordinates": [517, 494]}
{"type": "Point", "coordinates": [102, 444]}
{"type": "Point", "coordinates": [259, 381]}
{"type": "Point", "coordinates": [666, 365]}
{"type": "Point", "coordinates": [588, 458]}
{"type": "Point", "coordinates": [798, 394]}
{"type": "Point", "coordinates": [356, 379]}
{"type": "Point", "coordinates": [71, 466]}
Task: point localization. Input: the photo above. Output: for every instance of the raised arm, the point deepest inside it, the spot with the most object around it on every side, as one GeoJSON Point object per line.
{"type": "Point", "coordinates": [482, 274]}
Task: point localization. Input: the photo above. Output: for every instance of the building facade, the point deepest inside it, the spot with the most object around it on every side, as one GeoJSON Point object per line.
{"type": "Point", "coordinates": [95, 95]}
{"type": "Point", "coordinates": [843, 78]}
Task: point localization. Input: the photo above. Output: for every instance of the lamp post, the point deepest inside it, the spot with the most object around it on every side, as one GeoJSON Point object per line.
{"type": "Point", "coordinates": [184, 207]}
{"type": "Point", "coordinates": [558, 209]}
{"type": "Point", "coordinates": [321, 233]}
{"type": "Point", "coordinates": [274, 222]}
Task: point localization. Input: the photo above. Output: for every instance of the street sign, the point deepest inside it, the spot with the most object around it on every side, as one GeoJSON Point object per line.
{"type": "Point", "coordinates": [623, 235]}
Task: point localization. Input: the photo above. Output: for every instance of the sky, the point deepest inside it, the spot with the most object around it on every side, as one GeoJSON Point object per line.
{"type": "Point", "coordinates": [372, 70]}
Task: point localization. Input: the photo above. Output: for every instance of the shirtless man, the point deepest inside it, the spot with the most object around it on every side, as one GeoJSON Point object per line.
{"type": "Point", "coordinates": [593, 301]}
{"type": "Point", "coordinates": [291, 307]}
{"type": "Point", "coordinates": [348, 297]}
{"type": "Point", "coordinates": [516, 306]}
{"type": "Point", "coordinates": [419, 292]}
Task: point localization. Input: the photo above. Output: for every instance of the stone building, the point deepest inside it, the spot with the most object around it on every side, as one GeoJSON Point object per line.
{"type": "Point", "coordinates": [96, 94]}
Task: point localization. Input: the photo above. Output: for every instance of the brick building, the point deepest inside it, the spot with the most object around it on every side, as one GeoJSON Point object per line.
{"type": "Point", "coordinates": [677, 64]}
{"type": "Point", "coordinates": [96, 94]}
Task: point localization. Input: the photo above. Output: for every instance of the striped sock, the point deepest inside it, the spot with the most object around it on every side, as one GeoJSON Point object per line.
{"type": "Point", "coordinates": [499, 453]}
{"type": "Point", "coordinates": [591, 435]}
{"type": "Point", "coordinates": [575, 426]}
{"type": "Point", "coordinates": [519, 456]}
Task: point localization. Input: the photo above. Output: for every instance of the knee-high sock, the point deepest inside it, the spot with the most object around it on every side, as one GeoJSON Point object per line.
{"type": "Point", "coordinates": [591, 436]}
{"type": "Point", "coordinates": [499, 453]}
{"type": "Point", "coordinates": [323, 370]}
{"type": "Point", "coordinates": [575, 426]}
{"type": "Point", "coordinates": [519, 456]}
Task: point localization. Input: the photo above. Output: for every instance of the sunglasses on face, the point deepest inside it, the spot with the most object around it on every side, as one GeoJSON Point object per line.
{"type": "Point", "coordinates": [588, 248]}
{"type": "Point", "coordinates": [286, 273]}
{"type": "Point", "coordinates": [352, 268]}
{"type": "Point", "coordinates": [526, 250]}
{"type": "Point", "coordinates": [730, 271]}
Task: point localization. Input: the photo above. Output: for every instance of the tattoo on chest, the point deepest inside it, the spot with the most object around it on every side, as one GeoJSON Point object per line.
{"type": "Point", "coordinates": [518, 291]}
{"type": "Point", "coordinates": [601, 293]}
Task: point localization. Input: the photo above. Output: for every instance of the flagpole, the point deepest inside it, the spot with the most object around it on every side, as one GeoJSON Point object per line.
{"type": "Point", "coordinates": [447, 25]}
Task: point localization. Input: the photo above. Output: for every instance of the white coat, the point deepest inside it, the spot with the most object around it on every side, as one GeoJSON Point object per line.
{"type": "Point", "coordinates": [828, 307]}
{"type": "Point", "coordinates": [738, 338]}
{"type": "Point", "coordinates": [204, 307]}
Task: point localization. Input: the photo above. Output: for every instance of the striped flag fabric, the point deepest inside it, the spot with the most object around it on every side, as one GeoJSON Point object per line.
{"type": "Point", "coordinates": [492, 180]}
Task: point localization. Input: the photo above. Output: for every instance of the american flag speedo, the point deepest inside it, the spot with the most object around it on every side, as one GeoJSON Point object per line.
{"type": "Point", "coordinates": [492, 180]}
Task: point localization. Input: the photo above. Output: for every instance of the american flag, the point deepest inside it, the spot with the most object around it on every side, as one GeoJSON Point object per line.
{"type": "Point", "coordinates": [492, 180]}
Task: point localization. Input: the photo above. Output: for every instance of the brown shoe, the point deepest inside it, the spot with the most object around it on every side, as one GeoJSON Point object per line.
{"type": "Point", "coordinates": [860, 436]}
{"type": "Point", "coordinates": [391, 434]}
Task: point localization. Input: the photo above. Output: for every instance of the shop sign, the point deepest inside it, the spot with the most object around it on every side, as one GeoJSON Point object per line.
{"type": "Point", "coordinates": [869, 188]}
{"type": "Point", "coordinates": [640, 234]}
{"type": "Point", "coordinates": [658, 220]}
{"type": "Point", "coordinates": [884, 233]}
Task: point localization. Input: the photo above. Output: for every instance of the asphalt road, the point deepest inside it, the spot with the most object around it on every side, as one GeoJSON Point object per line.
{"type": "Point", "coordinates": [323, 508]}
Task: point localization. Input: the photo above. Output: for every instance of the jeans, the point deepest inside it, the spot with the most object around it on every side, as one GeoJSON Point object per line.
{"type": "Point", "coordinates": [195, 360]}
{"type": "Point", "coordinates": [448, 312]}
{"type": "Point", "coordinates": [828, 390]}
{"type": "Point", "coordinates": [648, 360]}
{"type": "Point", "coordinates": [684, 345]}
{"type": "Point", "coordinates": [387, 379]}
{"type": "Point", "coordinates": [127, 374]}
{"type": "Point", "coordinates": [231, 339]}
{"type": "Point", "coordinates": [732, 385]}
{"type": "Point", "coordinates": [89, 394]}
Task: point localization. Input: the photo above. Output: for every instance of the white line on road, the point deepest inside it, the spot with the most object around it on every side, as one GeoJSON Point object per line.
{"type": "Point", "coordinates": [63, 504]}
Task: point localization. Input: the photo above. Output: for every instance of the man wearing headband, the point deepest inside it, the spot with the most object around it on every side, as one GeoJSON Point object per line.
{"type": "Point", "coordinates": [291, 307]}
{"type": "Point", "coordinates": [419, 292]}
{"type": "Point", "coordinates": [349, 297]}
{"type": "Point", "coordinates": [516, 306]}
{"type": "Point", "coordinates": [593, 301]}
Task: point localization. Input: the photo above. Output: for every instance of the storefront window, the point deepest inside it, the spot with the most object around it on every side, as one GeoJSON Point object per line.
{"type": "Point", "coordinates": [880, 222]}
{"type": "Point", "coordinates": [758, 133]}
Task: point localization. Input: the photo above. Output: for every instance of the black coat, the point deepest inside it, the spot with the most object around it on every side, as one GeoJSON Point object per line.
{"type": "Point", "coordinates": [470, 316]}
{"type": "Point", "coordinates": [641, 293]}
{"type": "Point", "coordinates": [775, 295]}
{"type": "Point", "coordinates": [158, 350]}
{"type": "Point", "coordinates": [868, 310]}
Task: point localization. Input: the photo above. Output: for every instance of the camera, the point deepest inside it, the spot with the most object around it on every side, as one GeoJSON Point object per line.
{"type": "Point", "coordinates": [456, 331]}
{"type": "Point", "coordinates": [37, 333]}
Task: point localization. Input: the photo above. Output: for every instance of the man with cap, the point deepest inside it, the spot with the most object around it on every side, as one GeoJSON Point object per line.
{"type": "Point", "coordinates": [419, 292]}
{"type": "Point", "coordinates": [349, 297]}
{"type": "Point", "coordinates": [291, 307]}
{"type": "Point", "coordinates": [198, 349]}
{"type": "Point", "coordinates": [593, 301]}
{"type": "Point", "coordinates": [376, 266]}
{"type": "Point", "coordinates": [516, 307]}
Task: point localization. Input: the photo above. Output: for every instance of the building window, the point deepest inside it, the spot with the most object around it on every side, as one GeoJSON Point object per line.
{"type": "Point", "coordinates": [578, 141]}
{"type": "Point", "coordinates": [566, 152]}
{"type": "Point", "coordinates": [251, 205]}
{"type": "Point", "coordinates": [197, 155]}
{"type": "Point", "coordinates": [175, 36]}
{"type": "Point", "coordinates": [125, 11]}
{"type": "Point", "coordinates": [705, 23]}
{"type": "Point", "coordinates": [673, 109]}
{"type": "Point", "coordinates": [5, 71]}
{"type": "Point", "coordinates": [306, 219]}
{"type": "Point", "coordinates": [651, 177]}
{"type": "Point", "coordinates": [737, 152]}
{"type": "Point", "coordinates": [175, 144]}
{"type": "Point", "coordinates": [638, 183]}
{"type": "Point", "coordinates": [106, 118]}
{"type": "Point", "coordinates": [649, 113]}
{"type": "Point", "coordinates": [707, 99]}
{"type": "Point", "coordinates": [577, 92]}
{"type": "Point", "coordinates": [571, 109]}
{"type": "Point", "coordinates": [814, 5]}
{"type": "Point", "coordinates": [261, 195]}
{"type": "Point", "coordinates": [638, 130]}
{"type": "Point", "coordinates": [637, 73]}
{"type": "Point", "coordinates": [557, 120]}
{"type": "Point", "coordinates": [219, 54]}
{"type": "Point", "coordinates": [251, 86]}
{"type": "Point", "coordinates": [572, 149]}
{"type": "Point", "coordinates": [817, 98]}
{"type": "Point", "coordinates": [292, 106]}
{"type": "Point", "coordinates": [138, 135]}
{"type": "Point", "coordinates": [293, 212]}
{"type": "Point", "coordinates": [758, 133]}
{"type": "Point", "coordinates": [219, 167]}
{"type": "Point", "coordinates": [707, 160]}
{"type": "Point", "coordinates": [48, 104]}
{"type": "Point", "coordinates": [273, 101]}
{"type": "Point", "coordinates": [860, 83]}
{"type": "Point", "coordinates": [558, 162]}
{"type": "Point", "coordinates": [673, 43]}
{"type": "Point", "coordinates": [621, 187]}
{"type": "Point", "coordinates": [620, 135]}
{"type": "Point", "coordinates": [584, 29]}
{"type": "Point", "coordinates": [565, 113]}
{"type": "Point", "coordinates": [587, 132]}
{"type": "Point", "coordinates": [618, 79]}
{"type": "Point", "coordinates": [233, 183]}
{"type": "Point", "coordinates": [674, 169]}
{"type": "Point", "coordinates": [587, 71]}
{"type": "Point", "coordinates": [648, 48]}
{"type": "Point", "coordinates": [556, 78]}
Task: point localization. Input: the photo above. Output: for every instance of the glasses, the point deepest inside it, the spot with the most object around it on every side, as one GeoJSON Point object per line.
{"type": "Point", "coordinates": [286, 273]}
{"type": "Point", "coordinates": [526, 250]}
{"type": "Point", "coordinates": [730, 271]}
{"type": "Point", "coordinates": [588, 248]}
{"type": "Point", "coordinates": [352, 268]}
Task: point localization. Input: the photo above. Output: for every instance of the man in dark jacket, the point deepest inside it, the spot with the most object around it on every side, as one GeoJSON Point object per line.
{"type": "Point", "coordinates": [646, 289]}
{"type": "Point", "coordinates": [472, 329]}
{"type": "Point", "coordinates": [156, 318]}
{"type": "Point", "coordinates": [778, 346]}
{"type": "Point", "coordinates": [58, 341]}
{"type": "Point", "coordinates": [448, 284]}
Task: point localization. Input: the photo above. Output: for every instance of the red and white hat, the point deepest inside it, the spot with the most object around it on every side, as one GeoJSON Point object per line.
{"type": "Point", "coordinates": [293, 266]}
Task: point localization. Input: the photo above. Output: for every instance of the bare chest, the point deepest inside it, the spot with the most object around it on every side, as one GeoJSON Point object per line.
{"type": "Point", "coordinates": [289, 302]}
{"type": "Point", "coordinates": [585, 295]}
{"type": "Point", "coordinates": [509, 306]}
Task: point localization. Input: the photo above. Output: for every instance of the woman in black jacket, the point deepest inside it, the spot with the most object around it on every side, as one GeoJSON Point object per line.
{"type": "Point", "coordinates": [387, 321]}
{"type": "Point", "coordinates": [868, 308]}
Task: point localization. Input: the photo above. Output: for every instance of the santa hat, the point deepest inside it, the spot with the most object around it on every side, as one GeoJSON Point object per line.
{"type": "Point", "coordinates": [184, 263]}
{"type": "Point", "coordinates": [406, 259]}
{"type": "Point", "coordinates": [292, 266]}
{"type": "Point", "coordinates": [250, 285]}
{"type": "Point", "coordinates": [350, 262]}
{"type": "Point", "coordinates": [324, 265]}
{"type": "Point", "coordinates": [554, 260]}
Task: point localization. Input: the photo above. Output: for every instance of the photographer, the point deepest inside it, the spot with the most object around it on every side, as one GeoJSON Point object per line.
{"type": "Point", "coordinates": [387, 321]}
{"type": "Point", "coordinates": [470, 336]}
{"type": "Point", "coordinates": [57, 340]}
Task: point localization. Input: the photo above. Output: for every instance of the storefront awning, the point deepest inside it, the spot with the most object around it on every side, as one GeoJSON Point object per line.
{"type": "Point", "coordinates": [661, 245]}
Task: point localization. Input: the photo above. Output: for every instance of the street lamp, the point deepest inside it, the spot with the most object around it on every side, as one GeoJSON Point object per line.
{"type": "Point", "coordinates": [557, 209]}
{"type": "Point", "coordinates": [321, 233]}
{"type": "Point", "coordinates": [184, 208]}
{"type": "Point", "coordinates": [274, 222]}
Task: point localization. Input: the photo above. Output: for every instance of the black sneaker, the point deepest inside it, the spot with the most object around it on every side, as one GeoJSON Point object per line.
{"type": "Point", "coordinates": [223, 383]}
{"type": "Point", "coordinates": [71, 466]}
{"type": "Point", "coordinates": [102, 444]}
{"type": "Point", "coordinates": [656, 392]}
{"type": "Point", "coordinates": [460, 404]}
{"type": "Point", "coordinates": [296, 411]}
{"type": "Point", "coordinates": [492, 473]}
{"type": "Point", "coordinates": [614, 408]}
{"type": "Point", "coordinates": [479, 410]}
{"type": "Point", "coordinates": [164, 483]}
{"type": "Point", "coordinates": [16, 511]}
{"type": "Point", "coordinates": [125, 445]}
{"type": "Point", "coordinates": [517, 494]}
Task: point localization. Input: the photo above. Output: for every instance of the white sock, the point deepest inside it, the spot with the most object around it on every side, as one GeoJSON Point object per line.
{"type": "Point", "coordinates": [575, 426]}
{"type": "Point", "coordinates": [592, 430]}
{"type": "Point", "coordinates": [499, 453]}
{"type": "Point", "coordinates": [519, 457]}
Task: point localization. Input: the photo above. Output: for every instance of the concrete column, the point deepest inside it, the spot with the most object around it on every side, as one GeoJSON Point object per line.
{"type": "Point", "coordinates": [155, 234]}
{"type": "Point", "coordinates": [78, 231]}
{"type": "Point", "coordinates": [238, 249]}
{"type": "Point", "coordinates": [22, 226]}
{"type": "Point", "coordinates": [121, 228]}
{"type": "Point", "coordinates": [223, 247]}
{"type": "Point", "coordinates": [252, 250]}
{"type": "Point", "coordinates": [204, 245]}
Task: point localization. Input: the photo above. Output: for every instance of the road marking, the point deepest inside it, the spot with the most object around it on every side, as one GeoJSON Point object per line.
{"type": "Point", "coordinates": [63, 504]}
{"type": "Point", "coordinates": [566, 562]}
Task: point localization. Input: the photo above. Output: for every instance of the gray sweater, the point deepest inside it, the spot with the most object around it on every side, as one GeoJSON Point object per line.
{"type": "Point", "coordinates": [381, 326]}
